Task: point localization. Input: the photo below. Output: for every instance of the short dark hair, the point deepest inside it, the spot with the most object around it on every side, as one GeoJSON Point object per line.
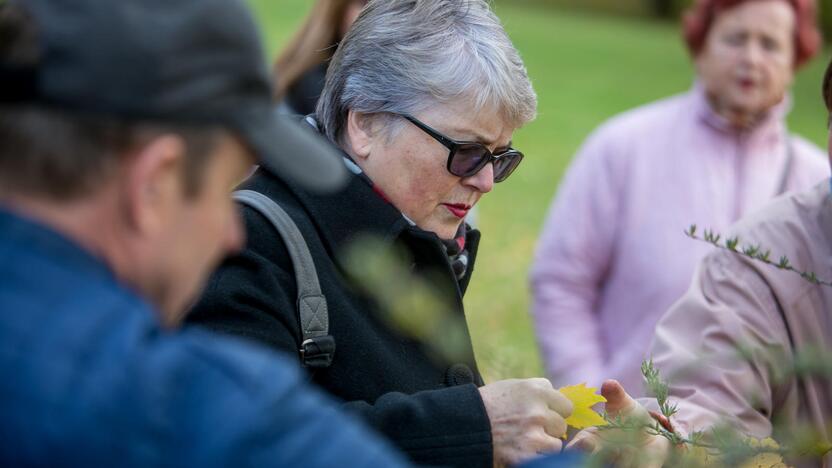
{"type": "Point", "coordinates": [62, 154]}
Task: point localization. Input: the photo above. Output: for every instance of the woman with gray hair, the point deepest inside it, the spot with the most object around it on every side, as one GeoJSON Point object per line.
{"type": "Point", "coordinates": [422, 96]}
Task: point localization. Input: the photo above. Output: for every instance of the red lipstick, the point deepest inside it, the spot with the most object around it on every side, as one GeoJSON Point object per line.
{"type": "Point", "coordinates": [457, 209]}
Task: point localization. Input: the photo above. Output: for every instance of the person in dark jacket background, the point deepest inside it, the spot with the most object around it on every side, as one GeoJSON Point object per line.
{"type": "Point", "coordinates": [423, 98]}
{"type": "Point", "coordinates": [301, 66]}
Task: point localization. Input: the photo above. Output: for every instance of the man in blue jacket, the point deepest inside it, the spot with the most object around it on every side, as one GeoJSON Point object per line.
{"type": "Point", "coordinates": [123, 126]}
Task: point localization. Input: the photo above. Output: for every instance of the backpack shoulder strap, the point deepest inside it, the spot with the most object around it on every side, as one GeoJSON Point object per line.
{"type": "Point", "coordinates": [317, 347]}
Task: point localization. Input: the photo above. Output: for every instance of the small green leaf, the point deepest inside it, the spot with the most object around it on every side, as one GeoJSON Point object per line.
{"type": "Point", "coordinates": [764, 256]}
{"type": "Point", "coordinates": [810, 277]}
{"type": "Point", "coordinates": [691, 232]}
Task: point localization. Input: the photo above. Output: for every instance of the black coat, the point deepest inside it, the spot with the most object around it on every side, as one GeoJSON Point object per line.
{"type": "Point", "coordinates": [431, 411]}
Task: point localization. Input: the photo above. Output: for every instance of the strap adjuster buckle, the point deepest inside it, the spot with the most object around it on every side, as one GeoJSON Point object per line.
{"type": "Point", "coordinates": [317, 352]}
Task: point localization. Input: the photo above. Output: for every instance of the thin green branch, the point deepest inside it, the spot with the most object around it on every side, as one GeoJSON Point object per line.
{"type": "Point", "coordinates": [753, 252]}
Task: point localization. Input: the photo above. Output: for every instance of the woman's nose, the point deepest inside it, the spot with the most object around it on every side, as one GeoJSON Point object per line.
{"type": "Point", "coordinates": [482, 181]}
{"type": "Point", "coordinates": [752, 52]}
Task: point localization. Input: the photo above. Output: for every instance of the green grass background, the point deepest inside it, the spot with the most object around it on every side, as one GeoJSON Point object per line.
{"type": "Point", "coordinates": [585, 68]}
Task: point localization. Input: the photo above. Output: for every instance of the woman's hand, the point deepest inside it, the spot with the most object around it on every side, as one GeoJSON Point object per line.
{"type": "Point", "coordinates": [527, 418]}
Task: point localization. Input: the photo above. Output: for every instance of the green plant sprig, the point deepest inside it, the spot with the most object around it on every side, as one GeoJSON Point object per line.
{"type": "Point", "coordinates": [723, 443]}
{"type": "Point", "coordinates": [656, 429]}
{"type": "Point", "coordinates": [753, 252]}
{"type": "Point", "coordinates": [659, 388]}
{"type": "Point", "coordinates": [661, 391]}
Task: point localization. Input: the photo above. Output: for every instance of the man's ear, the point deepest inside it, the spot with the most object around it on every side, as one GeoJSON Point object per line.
{"type": "Point", "coordinates": [154, 183]}
{"type": "Point", "coordinates": [359, 134]}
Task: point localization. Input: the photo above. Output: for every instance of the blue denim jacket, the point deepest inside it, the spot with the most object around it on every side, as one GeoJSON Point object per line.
{"type": "Point", "coordinates": [88, 378]}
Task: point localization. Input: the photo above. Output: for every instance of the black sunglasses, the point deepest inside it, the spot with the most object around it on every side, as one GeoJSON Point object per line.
{"type": "Point", "coordinates": [466, 158]}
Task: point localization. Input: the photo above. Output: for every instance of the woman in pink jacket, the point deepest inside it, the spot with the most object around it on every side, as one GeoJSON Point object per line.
{"type": "Point", "coordinates": [749, 345]}
{"type": "Point", "coordinates": [612, 257]}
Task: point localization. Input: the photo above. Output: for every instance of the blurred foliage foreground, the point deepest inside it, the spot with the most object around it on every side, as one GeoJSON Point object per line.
{"type": "Point", "coordinates": [413, 304]}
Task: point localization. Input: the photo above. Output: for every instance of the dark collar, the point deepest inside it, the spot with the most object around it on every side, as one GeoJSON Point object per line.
{"type": "Point", "coordinates": [342, 216]}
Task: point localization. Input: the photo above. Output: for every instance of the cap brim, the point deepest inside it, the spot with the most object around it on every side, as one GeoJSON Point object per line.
{"type": "Point", "coordinates": [294, 151]}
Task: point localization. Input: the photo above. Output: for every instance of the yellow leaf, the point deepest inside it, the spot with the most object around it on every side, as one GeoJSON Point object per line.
{"type": "Point", "coordinates": [764, 459]}
{"type": "Point", "coordinates": [822, 448]}
{"type": "Point", "coordinates": [769, 443]}
{"type": "Point", "coordinates": [583, 398]}
{"type": "Point", "coordinates": [700, 456]}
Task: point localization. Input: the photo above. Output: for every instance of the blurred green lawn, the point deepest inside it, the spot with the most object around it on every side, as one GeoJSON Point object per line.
{"type": "Point", "coordinates": [585, 69]}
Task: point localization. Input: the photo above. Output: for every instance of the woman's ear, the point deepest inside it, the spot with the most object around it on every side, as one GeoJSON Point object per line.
{"type": "Point", "coordinates": [359, 137]}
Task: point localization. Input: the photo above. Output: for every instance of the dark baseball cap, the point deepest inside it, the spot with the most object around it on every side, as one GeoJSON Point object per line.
{"type": "Point", "coordinates": [183, 61]}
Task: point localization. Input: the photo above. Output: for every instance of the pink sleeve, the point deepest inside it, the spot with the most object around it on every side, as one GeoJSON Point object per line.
{"type": "Point", "coordinates": [728, 308]}
{"type": "Point", "coordinates": [572, 257]}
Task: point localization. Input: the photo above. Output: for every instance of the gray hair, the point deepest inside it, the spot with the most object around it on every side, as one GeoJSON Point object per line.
{"type": "Point", "coordinates": [404, 56]}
